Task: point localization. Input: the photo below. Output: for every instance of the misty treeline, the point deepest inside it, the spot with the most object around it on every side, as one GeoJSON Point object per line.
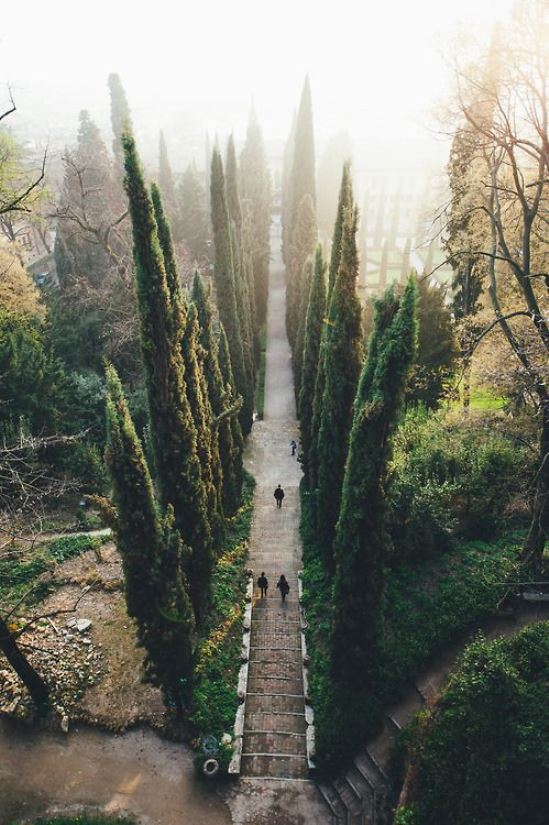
{"type": "Point", "coordinates": [402, 468]}
{"type": "Point", "coordinates": [155, 314]}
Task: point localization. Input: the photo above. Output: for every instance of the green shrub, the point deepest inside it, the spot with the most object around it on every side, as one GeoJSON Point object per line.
{"type": "Point", "coordinates": [453, 479]}
{"type": "Point", "coordinates": [84, 462]}
{"type": "Point", "coordinates": [21, 568]}
{"type": "Point", "coordinates": [481, 754]}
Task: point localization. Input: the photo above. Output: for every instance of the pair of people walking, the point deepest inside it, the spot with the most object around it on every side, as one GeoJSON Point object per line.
{"type": "Point", "coordinates": [282, 585]}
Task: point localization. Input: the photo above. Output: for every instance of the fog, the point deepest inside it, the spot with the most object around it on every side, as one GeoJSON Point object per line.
{"type": "Point", "coordinates": [376, 69]}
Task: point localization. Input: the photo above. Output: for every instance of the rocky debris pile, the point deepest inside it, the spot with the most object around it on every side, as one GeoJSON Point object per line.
{"type": "Point", "coordinates": [68, 661]}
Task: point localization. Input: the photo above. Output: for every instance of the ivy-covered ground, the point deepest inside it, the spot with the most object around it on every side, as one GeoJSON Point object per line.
{"type": "Point", "coordinates": [218, 661]}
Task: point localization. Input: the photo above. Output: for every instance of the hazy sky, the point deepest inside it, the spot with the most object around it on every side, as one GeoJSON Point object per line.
{"type": "Point", "coordinates": [376, 66]}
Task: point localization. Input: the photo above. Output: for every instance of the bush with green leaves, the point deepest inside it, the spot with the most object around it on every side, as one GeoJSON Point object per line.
{"type": "Point", "coordinates": [481, 753]}
{"type": "Point", "coordinates": [452, 478]}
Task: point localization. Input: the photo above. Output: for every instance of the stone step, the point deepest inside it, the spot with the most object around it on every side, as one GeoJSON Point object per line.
{"type": "Point", "coordinates": [334, 803]}
{"type": "Point", "coordinates": [282, 722]}
{"type": "Point", "coordinates": [370, 771]}
{"type": "Point", "coordinates": [365, 790]}
{"type": "Point", "coordinates": [265, 667]}
{"type": "Point", "coordinates": [289, 744]}
{"type": "Point", "coordinates": [275, 684]}
{"type": "Point", "coordinates": [274, 703]}
{"type": "Point", "coordinates": [275, 766]}
{"type": "Point", "coordinates": [350, 801]}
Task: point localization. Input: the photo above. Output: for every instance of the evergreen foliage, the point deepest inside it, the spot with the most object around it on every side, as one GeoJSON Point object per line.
{"type": "Point", "coordinates": [316, 311]}
{"type": "Point", "coordinates": [360, 540]}
{"type": "Point", "coordinates": [437, 350]}
{"type": "Point", "coordinates": [151, 551]}
{"type": "Point", "coordinates": [304, 239]}
{"type": "Point", "coordinates": [168, 255]}
{"type": "Point", "coordinates": [306, 281]}
{"type": "Point", "coordinates": [343, 353]}
{"type": "Point", "coordinates": [229, 453]}
{"type": "Point", "coordinates": [240, 263]}
{"type": "Point", "coordinates": [256, 200]}
{"type": "Point", "coordinates": [345, 203]}
{"type": "Point", "coordinates": [167, 186]}
{"type": "Point", "coordinates": [120, 114]}
{"type": "Point", "coordinates": [226, 289]}
{"type": "Point", "coordinates": [479, 754]}
{"type": "Point", "coordinates": [206, 432]}
{"type": "Point", "coordinates": [194, 220]}
{"type": "Point", "coordinates": [173, 432]}
{"type": "Point", "coordinates": [232, 404]}
{"type": "Point", "coordinates": [33, 379]}
{"type": "Point", "coordinates": [303, 160]}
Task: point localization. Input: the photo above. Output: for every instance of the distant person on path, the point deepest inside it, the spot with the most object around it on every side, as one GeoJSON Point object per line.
{"type": "Point", "coordinates": [263, 584]}
{"type": "Point", "coordinates": [293, 446]}
{"type": "Point", "coordinates": [283, 586]}
{"type": "Point", "coordinates": [279, 495]}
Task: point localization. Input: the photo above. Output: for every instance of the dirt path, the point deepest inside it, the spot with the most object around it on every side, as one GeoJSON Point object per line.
{"type": "Point", "coordinates": [136, 772]}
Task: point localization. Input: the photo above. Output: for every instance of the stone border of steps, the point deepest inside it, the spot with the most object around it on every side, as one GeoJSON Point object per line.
{"type": "Point", "coordinates": [238, 729]}
{"type": "Point", "coordinates": [309, 712]}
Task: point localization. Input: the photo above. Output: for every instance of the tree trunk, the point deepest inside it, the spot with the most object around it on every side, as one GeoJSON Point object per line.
{"type": "Point", "coordinates": [466, 384]}
{"type": "Point", "coordinates": [539, 527]}
{"type": "Point", "coordinates": [28, 675]}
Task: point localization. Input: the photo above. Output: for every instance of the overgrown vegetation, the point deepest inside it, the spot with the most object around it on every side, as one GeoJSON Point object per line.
{"type": "Point", "coordinates": [480, 753]}
{"type": "Point", "coordinates": [21, 568]}
{"type": "Point", "coordinates": [214, 699]}
{"type": "Point", "coordinates": [425, 607]}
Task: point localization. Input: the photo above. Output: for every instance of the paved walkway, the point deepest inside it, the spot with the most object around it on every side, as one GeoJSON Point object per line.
{"type": "Point", "coordinates": [274, 738]}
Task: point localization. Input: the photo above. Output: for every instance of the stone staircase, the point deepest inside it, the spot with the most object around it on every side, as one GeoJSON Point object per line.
{"type": "Point", "coordinates": [275, 726]}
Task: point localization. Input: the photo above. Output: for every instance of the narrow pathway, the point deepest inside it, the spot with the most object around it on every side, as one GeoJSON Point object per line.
{"type": "Point", "coordinates": [274, 729]}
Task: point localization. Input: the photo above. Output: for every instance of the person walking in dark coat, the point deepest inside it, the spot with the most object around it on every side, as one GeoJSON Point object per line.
{"type": "Point", "coordinates": [283, 586]}
{"type": "Point", "coordinates": [279, 495]}
{"type": "Point", "coordinates": [263, 584]}
{"type": "Point", "coordinates": [293, 446]}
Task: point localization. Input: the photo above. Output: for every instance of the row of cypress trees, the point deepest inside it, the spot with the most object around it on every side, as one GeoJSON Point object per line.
{"type": "Point", "coordinates": [170, 531]}
{"type": "Point", "coordinates": [348, 406]}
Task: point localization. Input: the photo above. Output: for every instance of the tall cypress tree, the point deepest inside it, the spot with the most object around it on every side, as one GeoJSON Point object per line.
{"type": "Point", "coordinates": [303, 162]}
{"type": "Point", "coordinates": [345, 204]}
{"type": "Point", "coordinates": [167, 186]}
{"type": "Point", "coordinates": [302, 315]}
{"type": "Point", "coordinates": [256, 198]}
{"type": "Point", "coordinates": [226, 291]}
{"type": "Point", "coordinates": [207, 446]}
{"type": "Point", "coordinates": [360, 541]}
{"type": "Point", "coordinates": [195, 227]}
{"type": "Point", "coordinates": [230, 400]}
{"type": "Point", "coordinates": [151, 551]}
{"type": "Point", "coordinates": [121, 120]}
{"type": "Point", "coordinates": [304, 239]}
{"type": "Point", "coordinates": [343, 362]}
{"type": "Point", "coordinates": [224, 422]}
{"type": "Point", "coordinates": [173, 431]}
{"type": "Point", "coordinates": [240, 274]}
{"type": "Point", "coordinates": [168, 255]}
{"type": "Point", "coordinates": [316, 311]}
